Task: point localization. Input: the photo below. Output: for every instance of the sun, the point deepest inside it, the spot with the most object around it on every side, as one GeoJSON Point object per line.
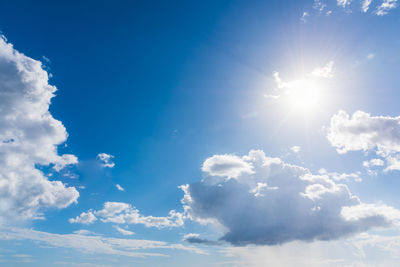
{"type": "Point", "coordinates": [304, 94]}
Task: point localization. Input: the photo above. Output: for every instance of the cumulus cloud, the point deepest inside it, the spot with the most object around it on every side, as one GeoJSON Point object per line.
{"type": "Point", "coordinates": [106, 160]}
{"type": "Point", "coordinates": [300, 205]}
{"type": "Point", "coordinates": [124, 213]}
{"type": "Point", "coordinates": [373, 163]}
{"type": "Point", "coordinates": [84, 218]}
{"type": "Point", "coordinates": [361, 131]}
{"type": "Point", "coordinates": [230, 166]}
{"type": "Point", "coordinates": [29, 136]}
{"type": "Point", "coordinates": [94, 243]}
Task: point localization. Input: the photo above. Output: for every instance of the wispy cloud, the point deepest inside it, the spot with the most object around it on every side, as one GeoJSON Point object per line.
{"type": "Point", "coordinates": [386, 6]}
{"type": "Point", "coordinates": [94, 243]}
{"type": "Point", "coordinates": [120, 188]}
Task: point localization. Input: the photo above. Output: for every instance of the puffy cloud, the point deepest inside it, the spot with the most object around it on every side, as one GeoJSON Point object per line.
{"type": "Point", "coordinates": [300, 205]}
{"type": "Point", "coordinates": [84, 218]}
{"type": "Point", "coordinates": [29, 136]}
{"type": "Point", "coordinates": [106, 160]}
{"type": "Point", "coordinates": [229, 166]}
{"type": "Point", "coordinates": [94, 243]}
{"type": "Point", "coordinates": [385, 7]}
{"type": "Point", "coordinates": [361, 131]}
{"type": "Point", "coordinates": [123, 213]}
{"type": "Point", "coordinates": [123, 231]}
{"type": "Point", "coordinates": [373, 163]}
{"type": "Point", "coordinates": [364, 132]}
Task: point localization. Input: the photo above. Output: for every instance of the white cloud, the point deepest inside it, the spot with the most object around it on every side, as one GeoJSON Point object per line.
{"type": "Point", "coordinates": [123, 231]}
{"type": "Point", "coordinates": [326, 71]}
{"type": "Point", "coordinates": [319, 5]}
{"type": "Point", "coordinates": [302, 206]}
{"type": "Point", "coordinates": [373, 163]}
{"type": "Point", "coordinates": [29, 136]}
{"type": "Point", "coordinates": [385, 7]}
{"type": "Point", "coordinates": [120, 188]}
{"type": "Point", "coordinates": [84, 218]}
{"type": "Point", "coordinates": [106, 160]}
{"type": "Point", "coordinates": [364, 132]}
{"type": "Point", "coordinates": [363, 250]}
{"type": "Point", "coordinates": [303, 91]}
{"type": "Point", "coordinates": [227, 165]}
{"type": "Point", "coordinates": [295, 149]}
{"type": "Point", "coordinates": [304, 16]}
{"type": "Point", "coordinates": [343, 3]}
{"type": "Point", "coordinates": [93, 243]}
{"type": "Point", "coordinates": [123, 213]}
{"type": "Point", "coordinates": [370, 56]}
{"type": "Point", "coordinates": [365, 5]}
{"type": "Point", "coordinates": [361, 131]}
{"type": "Point", "coordinates": [341, 176]}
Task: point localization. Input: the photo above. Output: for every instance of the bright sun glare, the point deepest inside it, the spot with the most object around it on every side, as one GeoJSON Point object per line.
{"type": "Point", "coordinates": [303, 95]}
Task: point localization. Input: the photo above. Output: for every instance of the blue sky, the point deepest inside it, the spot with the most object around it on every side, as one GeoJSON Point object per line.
{"type": "Point", "coordinates": [217, 133]}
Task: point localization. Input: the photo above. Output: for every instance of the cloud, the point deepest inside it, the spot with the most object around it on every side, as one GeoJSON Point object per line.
{"type": "Point", "coordinates": [227, 165]}
{"type": "Point", "coordinates": [319, 5]}
{"type": "Point", "coordinates": [295, 149]}
{"type": "Point", "coordinates": [120, 188]}
{"type": "Point", "coordinates": [195, 239]}
{"type": "Point", "coordinates": [303, 88]}
{"type": "Point", "coordinates": [325, 71]}
{"type": "Point", "coordinates": [123, 213]}
{"type": "Point", "coordinates": [29, 136]}
{"type": "Point", "coordinates": [341, 176]}
{"type": "Point", "coordinates": [385, 7]}
{"type": "Point", "coordinates": [94, 243]}
{"type": "Point", "coordinates": [361, 131]}
{"type": "Point", "coordinates": [304, 16]}
{"type": "Point", "coordinates": [84, 218]}
{"type": "Point", "coordinates": [365, 5]}
{"type": "Point", "coordinates": [370, 56]}
{"type": "Point", "coordinates": [106, 160]}
{"type": "Point", "coordinates": [301, 206]}
{"type": "Point", "coordinates": [373, 163]}
{"type": "Point", "coordinates": [343, 3]}
{"type": "Point", "coordinates": [123, 231]}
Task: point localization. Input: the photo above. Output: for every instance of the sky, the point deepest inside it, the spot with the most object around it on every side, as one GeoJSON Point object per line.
{"type": "Point", "coordinates": [212, 133]}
